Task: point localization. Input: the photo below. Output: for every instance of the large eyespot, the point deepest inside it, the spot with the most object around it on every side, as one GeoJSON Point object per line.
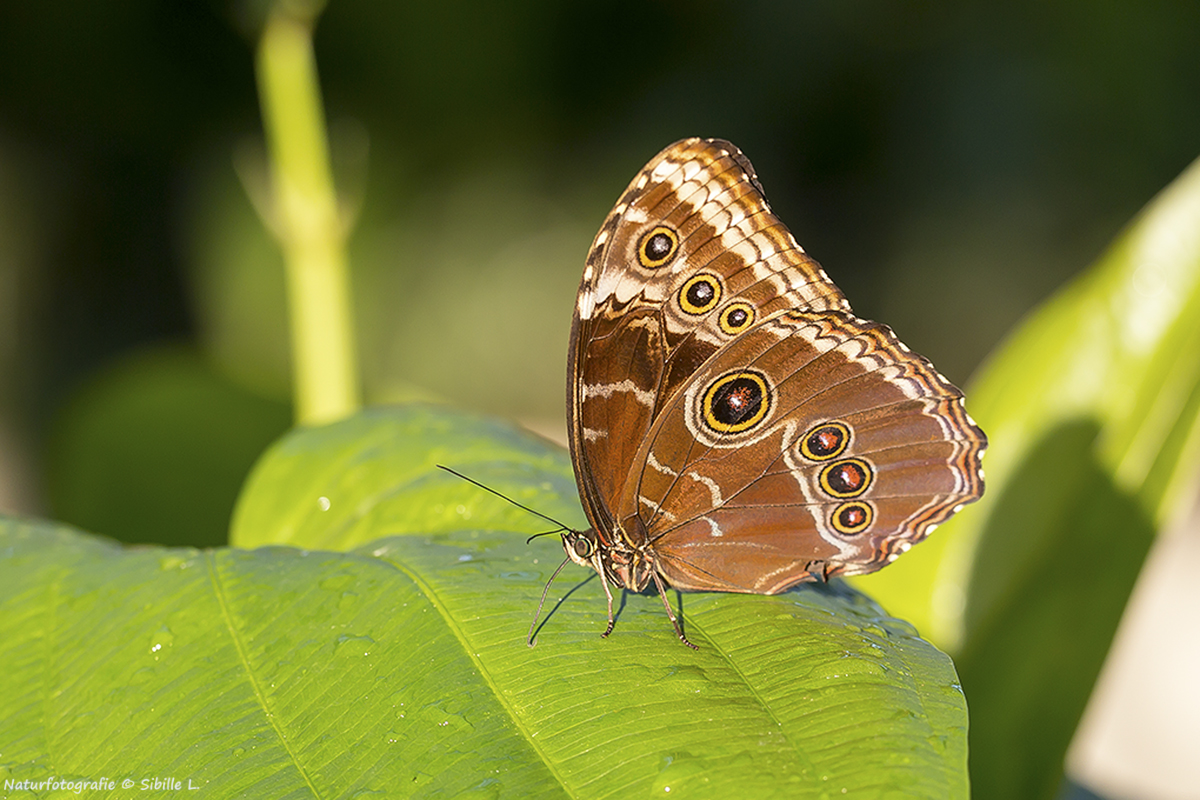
{"type": "Point", "coordinates": [848, 478]}
{"type": "Point", "coordinates": [736, 402]}
{"type": "Point", "coordinates": [657, 247]}
{"type": "Point", "coordinates": [700, 294]}
{"type": "Point", "coordinates": [825, 441]}
{"type": "Point", "coordinates": [736, 317]}
{"type": "Point", "coordinates": [851, 518]}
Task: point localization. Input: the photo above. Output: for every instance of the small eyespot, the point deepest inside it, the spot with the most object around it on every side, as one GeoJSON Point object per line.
{"type": "Point", "coordinates": [825, 441]}
{"type": "Point", "coordinates": [700, 294]}
{"type": "Point", "coordinates": [736, 402]}
{"type": "Point", "coordinates": [851, 518]}
{"type": "Point", "coordinates": [736, 317]}
{"type": "Point", "coordinates": [657, 247]}
{"type": "Point", "coordinates": [847, 478]}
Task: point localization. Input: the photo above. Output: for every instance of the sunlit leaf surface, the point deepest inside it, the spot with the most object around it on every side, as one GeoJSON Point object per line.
{"type": "Point", "coordinates": [400, 665]}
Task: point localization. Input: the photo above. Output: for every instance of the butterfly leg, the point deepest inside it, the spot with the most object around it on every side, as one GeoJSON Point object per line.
{"type": "Point", "coordinates": [533, 625]}
{"type": "Point", "coordinates": [662, 592]}
{"type": "Point", "coordinates": [607, 593]}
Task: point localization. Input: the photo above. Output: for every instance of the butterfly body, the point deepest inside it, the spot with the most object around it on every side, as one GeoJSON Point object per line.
{"type": "Point", "coordinates": [733, 426]}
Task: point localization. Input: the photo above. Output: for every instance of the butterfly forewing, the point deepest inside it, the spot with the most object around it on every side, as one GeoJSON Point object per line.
{"type": "Point", "coordinates": [689, 257]}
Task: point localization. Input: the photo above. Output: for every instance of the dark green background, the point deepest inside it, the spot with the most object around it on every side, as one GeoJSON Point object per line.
{"type": "Point", "coordinates": [949, 164]}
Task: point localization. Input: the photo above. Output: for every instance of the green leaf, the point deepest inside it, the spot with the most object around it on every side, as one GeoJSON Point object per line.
{"type": "Point", "coordinates": [376, 475]}
{"type": "Point", "coordinates": [1092, 410]}
{"type": "Point", "coordinates": [400, 667]}
{"type": "Point", "coordinates": [1029, 669]}
{"type": "Point", "coordinates": [1118, 348]}
{"type": "Point", "coordinates": [273, 673]}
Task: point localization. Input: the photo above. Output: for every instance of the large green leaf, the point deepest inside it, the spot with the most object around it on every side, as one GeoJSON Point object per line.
{"type": "Point", "coordinates": [400, 667]}
{"type": "Point", "coordinates": [1117, 349]}
{"type": "Point", "coordinates": [1092, 410]}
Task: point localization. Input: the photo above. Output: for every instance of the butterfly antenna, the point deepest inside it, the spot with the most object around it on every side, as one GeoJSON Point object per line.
{"type": "Point", "coordinates": [510, 500]}
{"type": "Point", "coordinates": [559, 529]}
{"type": "Point", "coordinates": [529, 637]}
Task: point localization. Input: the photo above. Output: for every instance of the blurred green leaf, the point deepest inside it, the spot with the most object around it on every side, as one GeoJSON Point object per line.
{"type": "Point", "coordinates": [1029, 668]}
{"type": "Point", "coordinates": [1091, 409]}
{"type": "Point", "coordinates": [155, 449]}
{"type": "Point", "coordinates": [1119, 348]}
{"type": "Point", "coordinates": [401, 666]}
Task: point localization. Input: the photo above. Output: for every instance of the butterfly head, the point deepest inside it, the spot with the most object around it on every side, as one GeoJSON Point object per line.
{"type": "Point", "coordinates": [582, 547]}
{"type": "Point", "coordinates": [616, 562]}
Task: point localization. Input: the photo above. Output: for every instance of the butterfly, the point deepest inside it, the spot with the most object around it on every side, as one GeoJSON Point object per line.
{"type": "Point", "coordinates": [734, 427]}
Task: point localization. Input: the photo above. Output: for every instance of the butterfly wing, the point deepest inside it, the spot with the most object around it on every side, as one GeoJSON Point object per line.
{"type": "Point", "coordinates": [689, 258]}
{"type": "Point", "coordinates": [810, 445]}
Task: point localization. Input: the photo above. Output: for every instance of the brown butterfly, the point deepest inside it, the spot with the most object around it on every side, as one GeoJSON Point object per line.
{"type": "Point", "coordinates": [733, 426]}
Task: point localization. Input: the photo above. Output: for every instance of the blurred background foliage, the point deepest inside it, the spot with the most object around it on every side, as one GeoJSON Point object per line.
{"type": "Point", "coordinates": [950, 165]}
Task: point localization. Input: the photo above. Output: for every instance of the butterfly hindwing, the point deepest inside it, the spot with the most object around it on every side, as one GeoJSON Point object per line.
{"type": "Point", "coordinates": [813, 438]}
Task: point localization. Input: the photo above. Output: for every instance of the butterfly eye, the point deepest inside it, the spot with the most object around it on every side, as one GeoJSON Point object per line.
{"type": "Point", "coordinates": [583, 547]}
{"type": "Point", "coordinates": [736, 402]}
{"type": "Point", "coordinates": [848, 478]}
{"type": "Point", "coordinates": [851, 518]}
{"type": "Point", "coordinates": [736, 317]}
{"type": "Point", "coordinates": [825, 441]}
{"type": "Point", "coordinates": [657, 247]}
{"type": "Point", "coordinates": [700, 294]}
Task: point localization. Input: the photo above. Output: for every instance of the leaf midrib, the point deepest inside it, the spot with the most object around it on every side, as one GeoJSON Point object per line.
{"type": "Point", "coordinates": [435, 600]}
{"type": "Point", "coordinates": [223, 604]}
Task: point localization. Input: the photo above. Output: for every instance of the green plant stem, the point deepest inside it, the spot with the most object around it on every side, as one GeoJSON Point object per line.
{"type": "Point", "coordinates": [307, 223]}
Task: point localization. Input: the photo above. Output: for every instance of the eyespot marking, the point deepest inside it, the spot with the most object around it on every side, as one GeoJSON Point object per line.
{"type": "Point", "coordinates": [852, 518]}
{"type": "Point", "coordinates": [657, 247]}
{"type": "Point", "coordinates": [736, 402]}
{"type": "Point", "coordinates": [825, 441]}
{"type": "Point", "coordinates": [700, 294]}
{"type": "Point", "coordinates": [736, 317]}
{"type": "Point", "coordinates": [847, 478]}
